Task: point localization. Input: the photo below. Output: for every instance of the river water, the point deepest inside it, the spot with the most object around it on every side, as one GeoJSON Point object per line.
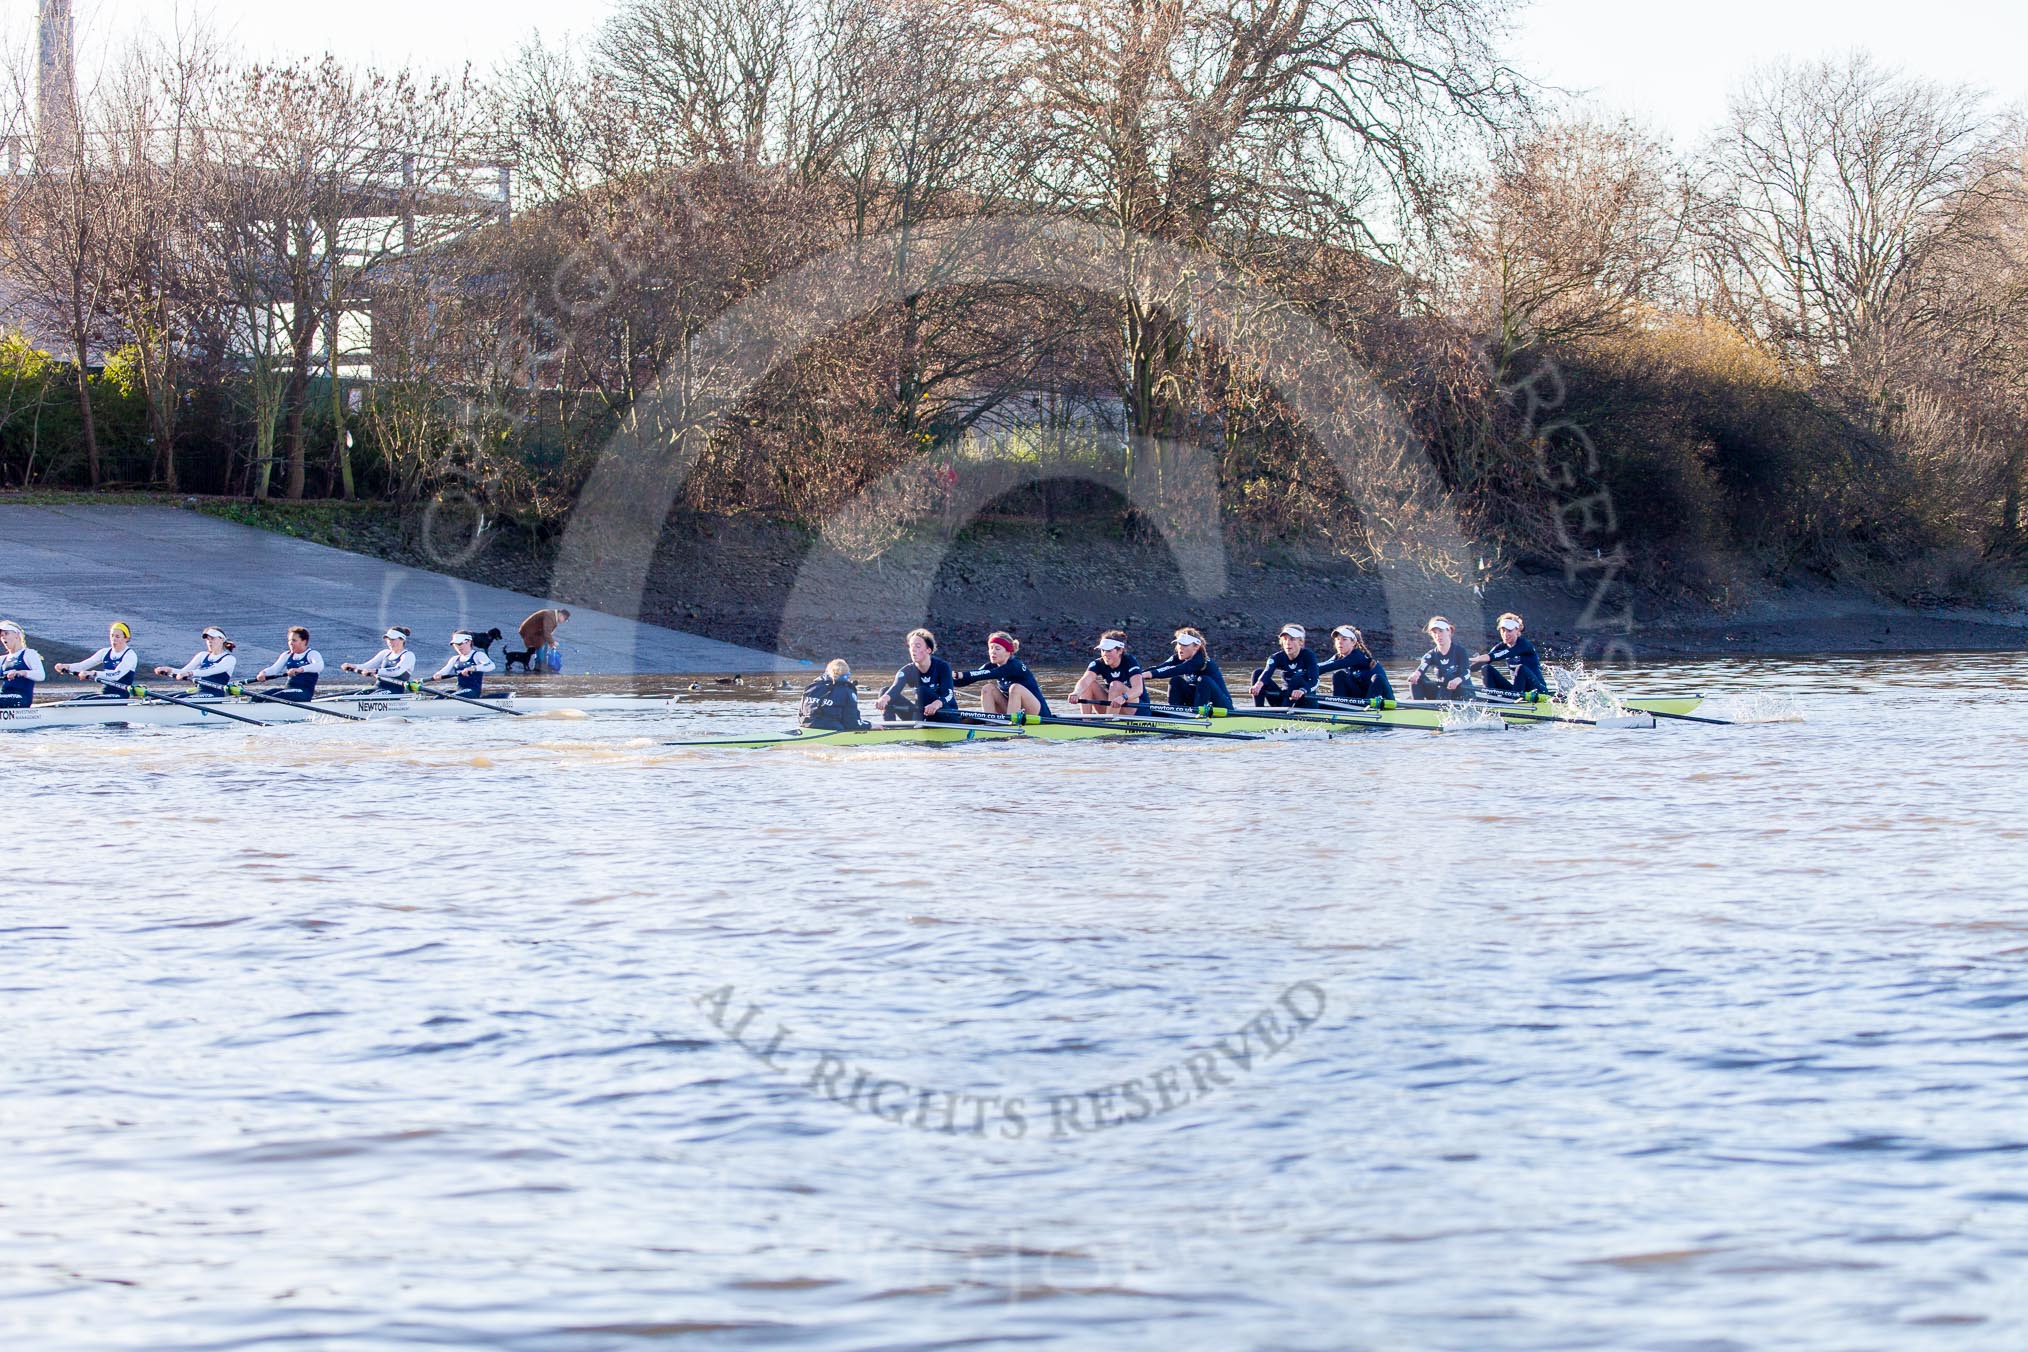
{"type": "Point", "coordinates": [539, 1034]}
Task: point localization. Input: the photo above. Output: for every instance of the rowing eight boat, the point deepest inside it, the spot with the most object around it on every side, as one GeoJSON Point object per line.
{"type": "Point", "coordinates": [208, 710]}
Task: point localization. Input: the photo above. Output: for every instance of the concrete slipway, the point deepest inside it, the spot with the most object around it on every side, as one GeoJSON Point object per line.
{"type": "Point", "coordinates": [70, 570]}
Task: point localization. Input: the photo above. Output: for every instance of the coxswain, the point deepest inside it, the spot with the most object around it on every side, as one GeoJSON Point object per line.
{"type": "Point", "coordinates": [1512, 666]}
{"type": "Point", "coordinates": [211, 667]}
{"type": "Point", "coordinates": [112, 666]}
{"type": "Point", "coordinates": [391, 666]}
{"type": "Point", "coordinates": [923, 690]}
{"type": "Point", "coordinates": [20, 667]}
{"type": "Point", "coordinates": [1289, 680]}
{"type": "Point", "coordinates": [832, 701]}
{"type": "Point", "coordinates": [1445, 671]}
{"type": "Point", "coordinates": [1195, 682]}
{"type": "Point", "coordinates": [469, 665]}
{"type": "Point", "coordinates": [1114, 681]}
{"type": "Point", "coordinates": [300, 663]}
{"type": "Point", "coordinates": [1354, 672]}
{"type": "Point", "coordinates": [1011, 688]}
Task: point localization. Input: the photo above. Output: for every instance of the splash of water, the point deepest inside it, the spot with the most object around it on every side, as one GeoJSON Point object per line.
{"type": "Point", "coordinates": [1753, 706]}
{"type": "Point", "coordinates": [1584, 692]}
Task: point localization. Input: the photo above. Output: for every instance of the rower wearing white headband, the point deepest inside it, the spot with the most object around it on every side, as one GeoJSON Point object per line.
{"type": "Point", "coordinates": [468, 664]}
{"type": "Point", "coordinates": [211, 667]}
{"type": "Point", "coordinates": [112, 666]}
{"type": "Point", "coordinates": [1195, 682]}
{"type": "Point", "coordinates": [1355, 673]}
{"type": "Point", "coordinates": [1114, 682]}
{"type": "Point", "coordinates": [391, 666]}
{"type": "Point", "coordinates": [1289, 680]}
{"type": "Point", "coordinates": [1445, 671]}
{"type": "Point", "coordinates": [20, 667]}
{"type": "Point", "coordinates": [1512, 665]}
{"type": "Point", "coordinates": [300, 663]}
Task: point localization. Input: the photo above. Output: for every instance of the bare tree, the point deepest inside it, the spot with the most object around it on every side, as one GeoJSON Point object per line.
{"type": "Point", "coordinates": [1833, 188]}
{"type": "Point", "coordinates": [1581, 229]}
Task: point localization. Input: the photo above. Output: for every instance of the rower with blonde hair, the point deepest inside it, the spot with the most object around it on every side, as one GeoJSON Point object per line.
{"type": "Point", "coordinates": [1195, 682]}
{"type": "Point", "coordinates": [20, 667]}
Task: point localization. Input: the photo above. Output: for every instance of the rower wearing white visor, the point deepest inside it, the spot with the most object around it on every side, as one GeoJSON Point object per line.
{"type": "Point", "coordinates": [1445, 671]}
{"type": "Point", "coordinates": [392, 666]}
{"type": "Point", "coordinates": [112, 666]}
{"type": "Point", "coordinates": [1114, 681]}
{"type": "Point", "coordinates": [20, 667]}
{"type": "Point", "coordinates": [468, 664]}
{"type": "Point", "coordinates": [299, 663]}
{"type": "Point", "coordinates": [1289, 680]}
{"type": "Point", "coordinates": [1355, 673]}
{"type": "Point", "coordinates": [211, 666]}
{"type": "Point", "coordinates": [1195, 682]}
{"type": "Point", "coordinates": [1512, 665]}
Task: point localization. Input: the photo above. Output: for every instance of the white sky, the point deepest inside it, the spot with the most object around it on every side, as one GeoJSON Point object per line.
{"type": "Point", "coordinates": [1669, 64]}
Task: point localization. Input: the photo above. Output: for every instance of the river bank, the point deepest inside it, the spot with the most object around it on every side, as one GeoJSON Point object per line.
{"type": "Point", "coordinates": [735, 579]}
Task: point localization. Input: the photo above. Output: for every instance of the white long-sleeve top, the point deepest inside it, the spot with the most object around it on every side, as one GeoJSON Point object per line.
{"type": "Point", "coordinates": [205, 667]}
{"type": "Point", "coordinates": [311, 663]}
{"type": "Point", "coordinates": [458, 666]}
{"type": "Point", "coordinates": [24, 665]}
{"type": "Point", "coordinates": [104, 665]}
{"type": "Point", "coordinates": [387, 666]}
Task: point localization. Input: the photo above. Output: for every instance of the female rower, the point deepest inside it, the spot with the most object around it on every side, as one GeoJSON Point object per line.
{"type": "Point", "coordinates": [1289, 679]}
{"type": "Point", "coordinates": [1195, 682]}
{"type": "Point", "coordinates": [20, 668]}
{"type": "Point", "coordinates": [469, 665]}
{"type": "Point", "coordinates": [922, 691]}
{"type": "Point", "coordinates": [1519, 655]}
{"type": "Point", "coordinates": [1354, 672]}
{"type": "Point", "coordinates": [301, 663]}
{"type": "Point", "coordinates": [211, 667]}
{"type": "Point", "coordinates": [1011, 687]}
{"type": "Point", "coordinates": [1445, 672]}
{"type": "Point", "coordinates": [112, 666]}
{"type": "Point", "coordinates": [832, 701]}
{"type": "Point", "coordinates": [1114, 680]}
{"type": "Point", "coordinates": [392, 665]}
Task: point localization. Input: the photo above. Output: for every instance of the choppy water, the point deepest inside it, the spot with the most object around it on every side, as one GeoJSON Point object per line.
{"type": "Point", "coordinates": [403, 1036]}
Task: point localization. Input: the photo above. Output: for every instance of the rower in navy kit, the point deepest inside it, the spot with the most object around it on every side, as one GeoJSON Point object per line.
{"type": "Point", "coordinates": [1289, 680]}
{"type": "Point", "coordinates": [1114, 682]}
{"type": "Point", "coordinates": [20, 667]}
{"type": "Point", "coordinates": [469, 665]}
{"type": "Point", "coordinates": [1516, 655]}
{"type": "Point", "coordinates": [1195, 682]}
{"type": "Point", "coordinates": [112, 666]}
{"type": "Point", "coordinates": [1011, 688]}
{"type": "Point", "coordinates": [300, 663]}
{"type": "Point", "coordinates": [1445, 671]}
{"type": "Point", "coordinates": [832, 701]}
{"type": "Point", "coordinates": [392, 666]}
{"type": "Point", "coordinates": [211, 666]}
{"type": "Point", "coordinates": [1355, 673]}
{"type": "Point", "coordinates": [923, 690]}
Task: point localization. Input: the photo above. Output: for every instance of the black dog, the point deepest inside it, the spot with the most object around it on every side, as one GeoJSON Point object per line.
{"type": "Point", "coordinates": [484, 642]}
{"type": "Point", "coordinates": [514, 656]}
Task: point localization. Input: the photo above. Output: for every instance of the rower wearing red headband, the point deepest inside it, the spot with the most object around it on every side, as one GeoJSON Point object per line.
{"type": "Point", "coordinates": [1011, 688]}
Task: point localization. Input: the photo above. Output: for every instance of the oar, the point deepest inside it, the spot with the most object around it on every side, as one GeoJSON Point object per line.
{"type": "Point", "coordinates": [1132, 725]}
{"type": "Point", "coordinates": [238, 688]}
{"type": "Point", "coordinates": [464, 699]}
{"type": "Point", "coordinates": [1501, 707]}
{"type": "Point", "coordinates": [143, 692]}
{"type": "Point", "coordinates": [1686, 718]}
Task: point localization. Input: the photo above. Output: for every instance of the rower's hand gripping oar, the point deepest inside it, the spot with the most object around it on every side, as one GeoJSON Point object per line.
{"type": "Point", "coordinates": [138, 691]}
{"type": "Point", "coordinates": [415, 687]}
{"type": "Point", "coordinates": [237, 688]}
